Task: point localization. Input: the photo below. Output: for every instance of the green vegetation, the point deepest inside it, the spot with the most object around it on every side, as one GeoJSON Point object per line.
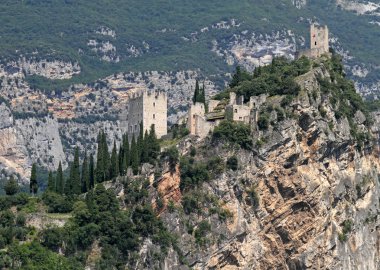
{"type": "Point", "coordinates": [233, 132]}
{"type": "Point", "coordinates": [345, 98]}
{"type": "Point", "coordinates": [347, 228]}
{"type": "Point", "coordinates": [232, 163]}
{"type": "Point", "coordinates": [11, 186]}
{"type": "Point", "coordinates": [33, 25]}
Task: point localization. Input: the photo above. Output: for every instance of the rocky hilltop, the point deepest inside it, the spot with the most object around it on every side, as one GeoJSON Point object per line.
{"type": "Point", "coordinates": [306, 196]}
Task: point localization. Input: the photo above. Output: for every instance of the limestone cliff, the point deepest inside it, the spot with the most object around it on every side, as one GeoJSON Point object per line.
{"type": "Point", "coordinates": [307, 198]}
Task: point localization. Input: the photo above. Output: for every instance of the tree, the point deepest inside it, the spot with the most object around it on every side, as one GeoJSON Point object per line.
{"type": "Point", "coordinates": [85, 177]}
{"type": "Point", "coordinates": [145, 148]}
{"type": "Point", "coordinates": [121, 156]}
{"type": "Point", "coordinates": [103, 159]}
{"type": "Point", "coordinates": [91, 172]}
{"type": "Point", "coordinates": [114, 166]}
{"type": "Point", "coordinates": [33, 185]}
{"type": "Point", "coordinates": [11, 186]}
{"type": "Point", "coordinates": [134, 156]}
{"type": "Point", "coordinates": [196, 92]}
{"type": "Point", "coordinates": [140, 142]}
{"type": "Point", "coordinates": [236, 78]}
{"type": "Point", "coordinates": [106, 157]}
{"type": "Point", "coordinates": [76, 181]}
{"type": "Point", "coordinates": [152, 145]}
{"type": "Point", "coordinates": [59, 187]}
{"type": "Point", "coordinates": [51, 182]}
{"type": "Point", "coordinates": [99, 172]}
{"type": "Point", "coordinates": [126, 159]}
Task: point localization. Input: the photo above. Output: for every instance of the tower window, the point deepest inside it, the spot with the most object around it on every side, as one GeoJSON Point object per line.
{"type": "Point", "coordinates": [315, 43]}
{"type": "Point", "coordinates": [154, 104]}
{"type": "Point", "coordinates": [154, 116]}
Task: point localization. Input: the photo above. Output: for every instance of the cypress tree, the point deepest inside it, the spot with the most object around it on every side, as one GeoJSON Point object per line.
{"type": "Point", "coordinates": [140, 142]}
{"type": "Point", "coordinates": [106, 157]}
{"type": "Point", "coordinates": [236, 78]}
{"type": "Point", "coordinates": [196, 92]}
{"type": "Point", "coordinates": [51, 182]}
{"type": "Point", "coordinates": [121, 156]}
{"type": "Point", "coordinates": [153, 144]}
{"type": "Point", "coordinates": [126, 159]}
{"type": "Point", "coordinates": [145, 148]}
{"type": "Point", "coordinates": [114, 166]}
{"type": "Point", "coordinates": [68, 184]}
{"type": "Point", "coordinates": [76, 181]}
{"type": "Point", "coordinates": [85, 177]}
{"type": "Point", "coordinates": [134, 156]}
{"type": "Point", "coordinates": [33, 185]}
{"type": "Point", "coordinates": [99, 173]}
{"type": "Point", "coordinates": [59, 180]}
{"type": "Point", "coordinates": [91, 172]}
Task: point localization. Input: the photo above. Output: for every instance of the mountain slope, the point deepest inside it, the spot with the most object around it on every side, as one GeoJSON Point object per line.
{"type": "Point", "coordinates": [172, 35]}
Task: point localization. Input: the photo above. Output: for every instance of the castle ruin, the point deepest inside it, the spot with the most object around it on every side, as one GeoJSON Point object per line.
{"type": "Point", "coordinates": [148, 107]}
{"type": "Point", "coordinates": [319, 42]}
{"type": "Point", "coordinates": [200, 122]}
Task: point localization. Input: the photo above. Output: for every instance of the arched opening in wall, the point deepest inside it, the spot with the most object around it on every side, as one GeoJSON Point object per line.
{"type": "Point", "coordinates": [315, 43]}
{"type": "Point", "coordinates": [154, 116]}
{"type": "Point", "coordinates": [154, 104]}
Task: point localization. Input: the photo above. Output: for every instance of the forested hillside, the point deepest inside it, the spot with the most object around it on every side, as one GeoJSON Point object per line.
{"type": "Point", "coordinates": [120, 36]}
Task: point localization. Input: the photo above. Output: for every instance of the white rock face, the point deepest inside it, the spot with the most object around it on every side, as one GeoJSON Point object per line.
{"type": "Point", "coordinates": [299, 3]}
{"type": "Point", "coordinates": [360, 7]}
{"type": "Point", "coordinates": [26, 141]}
{"type": "Point", "coordinates": [253, 50]}
{"type": "Point", "coordinates": [56, 70]}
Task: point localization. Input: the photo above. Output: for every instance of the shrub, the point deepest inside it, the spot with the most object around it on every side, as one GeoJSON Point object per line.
{"type": "Point", "coordinates": [233, 132]}
{"type": "Point", "coordinates": [232, 163]}
{"type": "Point", "coordinates": [263, 122]}
{"type": "Point", "coordinates": [201, 231]}
{"type": "Point", "coordinates": [57, 203]}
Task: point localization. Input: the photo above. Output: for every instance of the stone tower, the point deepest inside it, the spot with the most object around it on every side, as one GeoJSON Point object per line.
{"type": "Point", "coordinates": [150, 107]}
{"type": "Point", "coordinates": [319, 39]}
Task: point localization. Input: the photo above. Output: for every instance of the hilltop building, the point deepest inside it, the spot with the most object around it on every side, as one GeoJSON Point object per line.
{"type": "Point", "coordinates": [200, 122]}
{"type": "Point", "coordinates": [319, 42]}
{"type": "Point", "coordinates": [148, 107]}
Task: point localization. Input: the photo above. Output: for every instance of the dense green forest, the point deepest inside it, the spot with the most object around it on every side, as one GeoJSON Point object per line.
{"type": "Point", "coordinates": [61, 29]}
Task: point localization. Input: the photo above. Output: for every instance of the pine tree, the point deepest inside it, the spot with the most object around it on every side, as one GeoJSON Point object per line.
{"type": "Point", "coordinates": [134, 156]}
{"type": "Point", "coordinates": [59, 187]}
{"type": "Point", "coordinates": [76, 186]}
{"type": "Point", "coordinates": [51, 182]}
{"type": "Point", "coordinates": [11, 187]}
{"type": "Point", "coordinates": [114, 166]}
{"type": "Point", "coordinates": [85, 177]}
{"type": "Point", "coordinates": [33, 185]}
{"type": "Point", "coordinates": [92, 172]}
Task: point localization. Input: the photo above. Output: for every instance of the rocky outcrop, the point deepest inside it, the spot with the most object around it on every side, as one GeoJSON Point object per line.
{"type": "Point", "coordinates": [308, 198]}
{"type": "Point", "coordinates": [56, 69]}
{"type": "Point", "coordinates": [25, 141]}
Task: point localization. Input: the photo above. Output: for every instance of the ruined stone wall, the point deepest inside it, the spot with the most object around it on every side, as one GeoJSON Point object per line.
{"type": "Point", "coordinates": [155, 112]}
{"type": "Point", "coordinates": [241, 113]}
{"type": "Point", "coordinates": [197, 109]}
{"type": "Point", "coordinates": [134, 114]}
